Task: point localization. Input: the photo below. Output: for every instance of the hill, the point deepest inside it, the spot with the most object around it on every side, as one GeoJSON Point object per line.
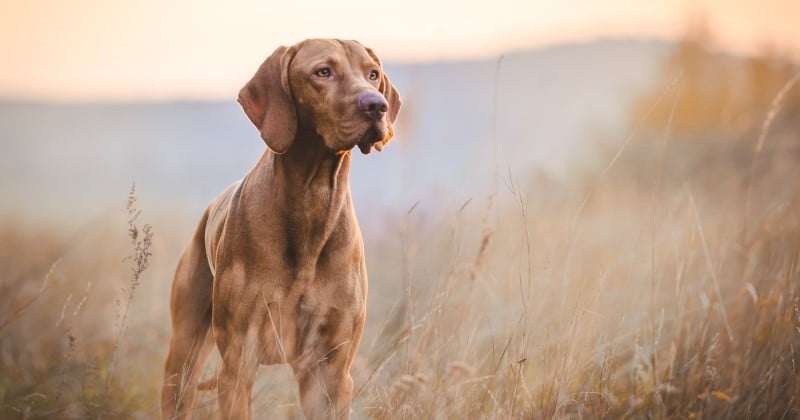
{"type": "Point", "coordinates": [549, 104]}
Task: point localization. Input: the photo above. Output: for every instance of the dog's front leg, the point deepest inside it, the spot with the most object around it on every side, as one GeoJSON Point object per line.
{"type": "Point", "coordinates": [240, 362]}
{"type": "Point", "coordinates": [325, 391]}
{"type": "Point", "coordinates": [323, 374]}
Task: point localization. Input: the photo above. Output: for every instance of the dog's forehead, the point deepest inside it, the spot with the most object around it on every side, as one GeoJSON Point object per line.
{"type": "Point", "coordinates": [312, 50]}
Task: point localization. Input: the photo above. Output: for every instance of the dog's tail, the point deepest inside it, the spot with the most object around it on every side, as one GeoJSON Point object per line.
{"type": "Point", "coordinates": [209, 384]}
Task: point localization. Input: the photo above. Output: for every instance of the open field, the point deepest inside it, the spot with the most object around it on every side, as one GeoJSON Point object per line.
{"type": "Point", "coordinates": [661, 279]}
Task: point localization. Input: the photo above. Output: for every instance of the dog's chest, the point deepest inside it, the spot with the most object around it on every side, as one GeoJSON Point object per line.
{"type": "Point", "coordinates": [313, 223]}
{"type": "Point", "coordinates": [309, 321]}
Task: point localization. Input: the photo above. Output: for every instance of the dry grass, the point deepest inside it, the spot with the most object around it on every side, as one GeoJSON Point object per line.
{"type": "Point", "coordinates": [626, 305]}
{"type": "Point", "coordinates": [650, 291]}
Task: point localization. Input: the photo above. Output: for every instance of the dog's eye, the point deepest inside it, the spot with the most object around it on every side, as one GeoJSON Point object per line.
{"type": "Point", "coordinates": [323, 72]}
{"type": "Point", "coordinates": [373, 75]}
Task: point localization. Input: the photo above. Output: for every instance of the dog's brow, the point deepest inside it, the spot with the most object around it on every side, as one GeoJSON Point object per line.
{"type": "Point", "coordinates": [327, 61]}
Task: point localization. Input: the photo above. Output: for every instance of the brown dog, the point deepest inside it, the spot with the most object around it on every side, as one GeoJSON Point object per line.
{"type": "Point", "coordinates": [275, 270]}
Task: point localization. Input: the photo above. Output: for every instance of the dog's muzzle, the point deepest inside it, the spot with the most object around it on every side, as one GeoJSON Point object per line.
{"type": "Point", "coordinates": [373, 107]}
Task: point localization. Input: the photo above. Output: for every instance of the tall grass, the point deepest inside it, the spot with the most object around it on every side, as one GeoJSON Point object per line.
{"type": "Point", "coordinates": [637, 289]}
{"type": "Point", "coordinates": [60, 347]}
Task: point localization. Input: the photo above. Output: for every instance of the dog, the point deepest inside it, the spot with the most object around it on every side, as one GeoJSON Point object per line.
{"type": "Point", "coordinates": [275, 271]}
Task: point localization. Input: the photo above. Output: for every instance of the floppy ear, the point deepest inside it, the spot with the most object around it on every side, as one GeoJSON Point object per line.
{"type": "Point", "coordinates": [389, 92]}
{"type": "Point", "coordinates": [267, 101]}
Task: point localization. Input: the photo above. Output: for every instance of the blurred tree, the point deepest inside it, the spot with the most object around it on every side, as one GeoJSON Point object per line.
{"type": "Point", "coordinates": [716, 92]}
{"type": "Point", "coordinates": [714, 113]}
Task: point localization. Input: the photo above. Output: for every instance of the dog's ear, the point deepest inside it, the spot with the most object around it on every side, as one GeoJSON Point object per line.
{"type": "Point", "coordinates": [389, 92]}
{"type": "Point", "coordinates": [267, 101]}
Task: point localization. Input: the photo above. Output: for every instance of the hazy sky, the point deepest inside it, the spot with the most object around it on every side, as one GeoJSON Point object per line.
{"type": "Point", "coordinates": [177, 49]}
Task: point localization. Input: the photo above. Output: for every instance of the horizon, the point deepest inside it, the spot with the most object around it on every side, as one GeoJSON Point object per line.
{"type": "Point", "coordinates": [91, 51]}
{"type": "Point", "coordinates": [10, 100]}
{"type": "Point", "coordinates": [231, 97]}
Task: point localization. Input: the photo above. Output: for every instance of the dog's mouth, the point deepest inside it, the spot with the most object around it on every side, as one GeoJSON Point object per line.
{"type": "Point", "coordinates": [366, 147]}
{"type": "Point", "coordinates": [376, 136]}
{"type": "Point", "coordinates": [362, 133]}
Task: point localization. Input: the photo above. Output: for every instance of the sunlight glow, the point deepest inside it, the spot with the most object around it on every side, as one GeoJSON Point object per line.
{"type": "Point", "coordinates": [98, 50]}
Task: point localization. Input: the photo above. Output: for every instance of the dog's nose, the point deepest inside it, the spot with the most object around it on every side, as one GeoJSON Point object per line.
{"type": "Point", "coordinates": [373, 105]}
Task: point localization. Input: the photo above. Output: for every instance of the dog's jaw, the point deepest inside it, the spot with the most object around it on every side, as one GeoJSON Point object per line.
{"type": "Point", "coordinates": [377, 136]}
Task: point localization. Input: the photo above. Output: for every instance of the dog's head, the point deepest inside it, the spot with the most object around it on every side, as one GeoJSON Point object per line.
{"type": "Point", "coordinates": [333, 89]}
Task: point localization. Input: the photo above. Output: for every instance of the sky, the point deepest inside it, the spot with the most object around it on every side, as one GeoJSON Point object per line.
{"type": "Point", "coordinates": [109, 50]}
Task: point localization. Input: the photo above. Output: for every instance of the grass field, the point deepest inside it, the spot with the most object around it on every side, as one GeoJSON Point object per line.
{"type": "Point", "coordinates": [662, 280]}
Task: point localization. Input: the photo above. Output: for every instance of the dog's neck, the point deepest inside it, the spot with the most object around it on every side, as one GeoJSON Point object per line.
{"type": "Point", "coordinates": [308, 165]}
{"type": "Point", "coordinates": [308, 175]}
{"type": "Point", "coordinates": [308, 186]}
